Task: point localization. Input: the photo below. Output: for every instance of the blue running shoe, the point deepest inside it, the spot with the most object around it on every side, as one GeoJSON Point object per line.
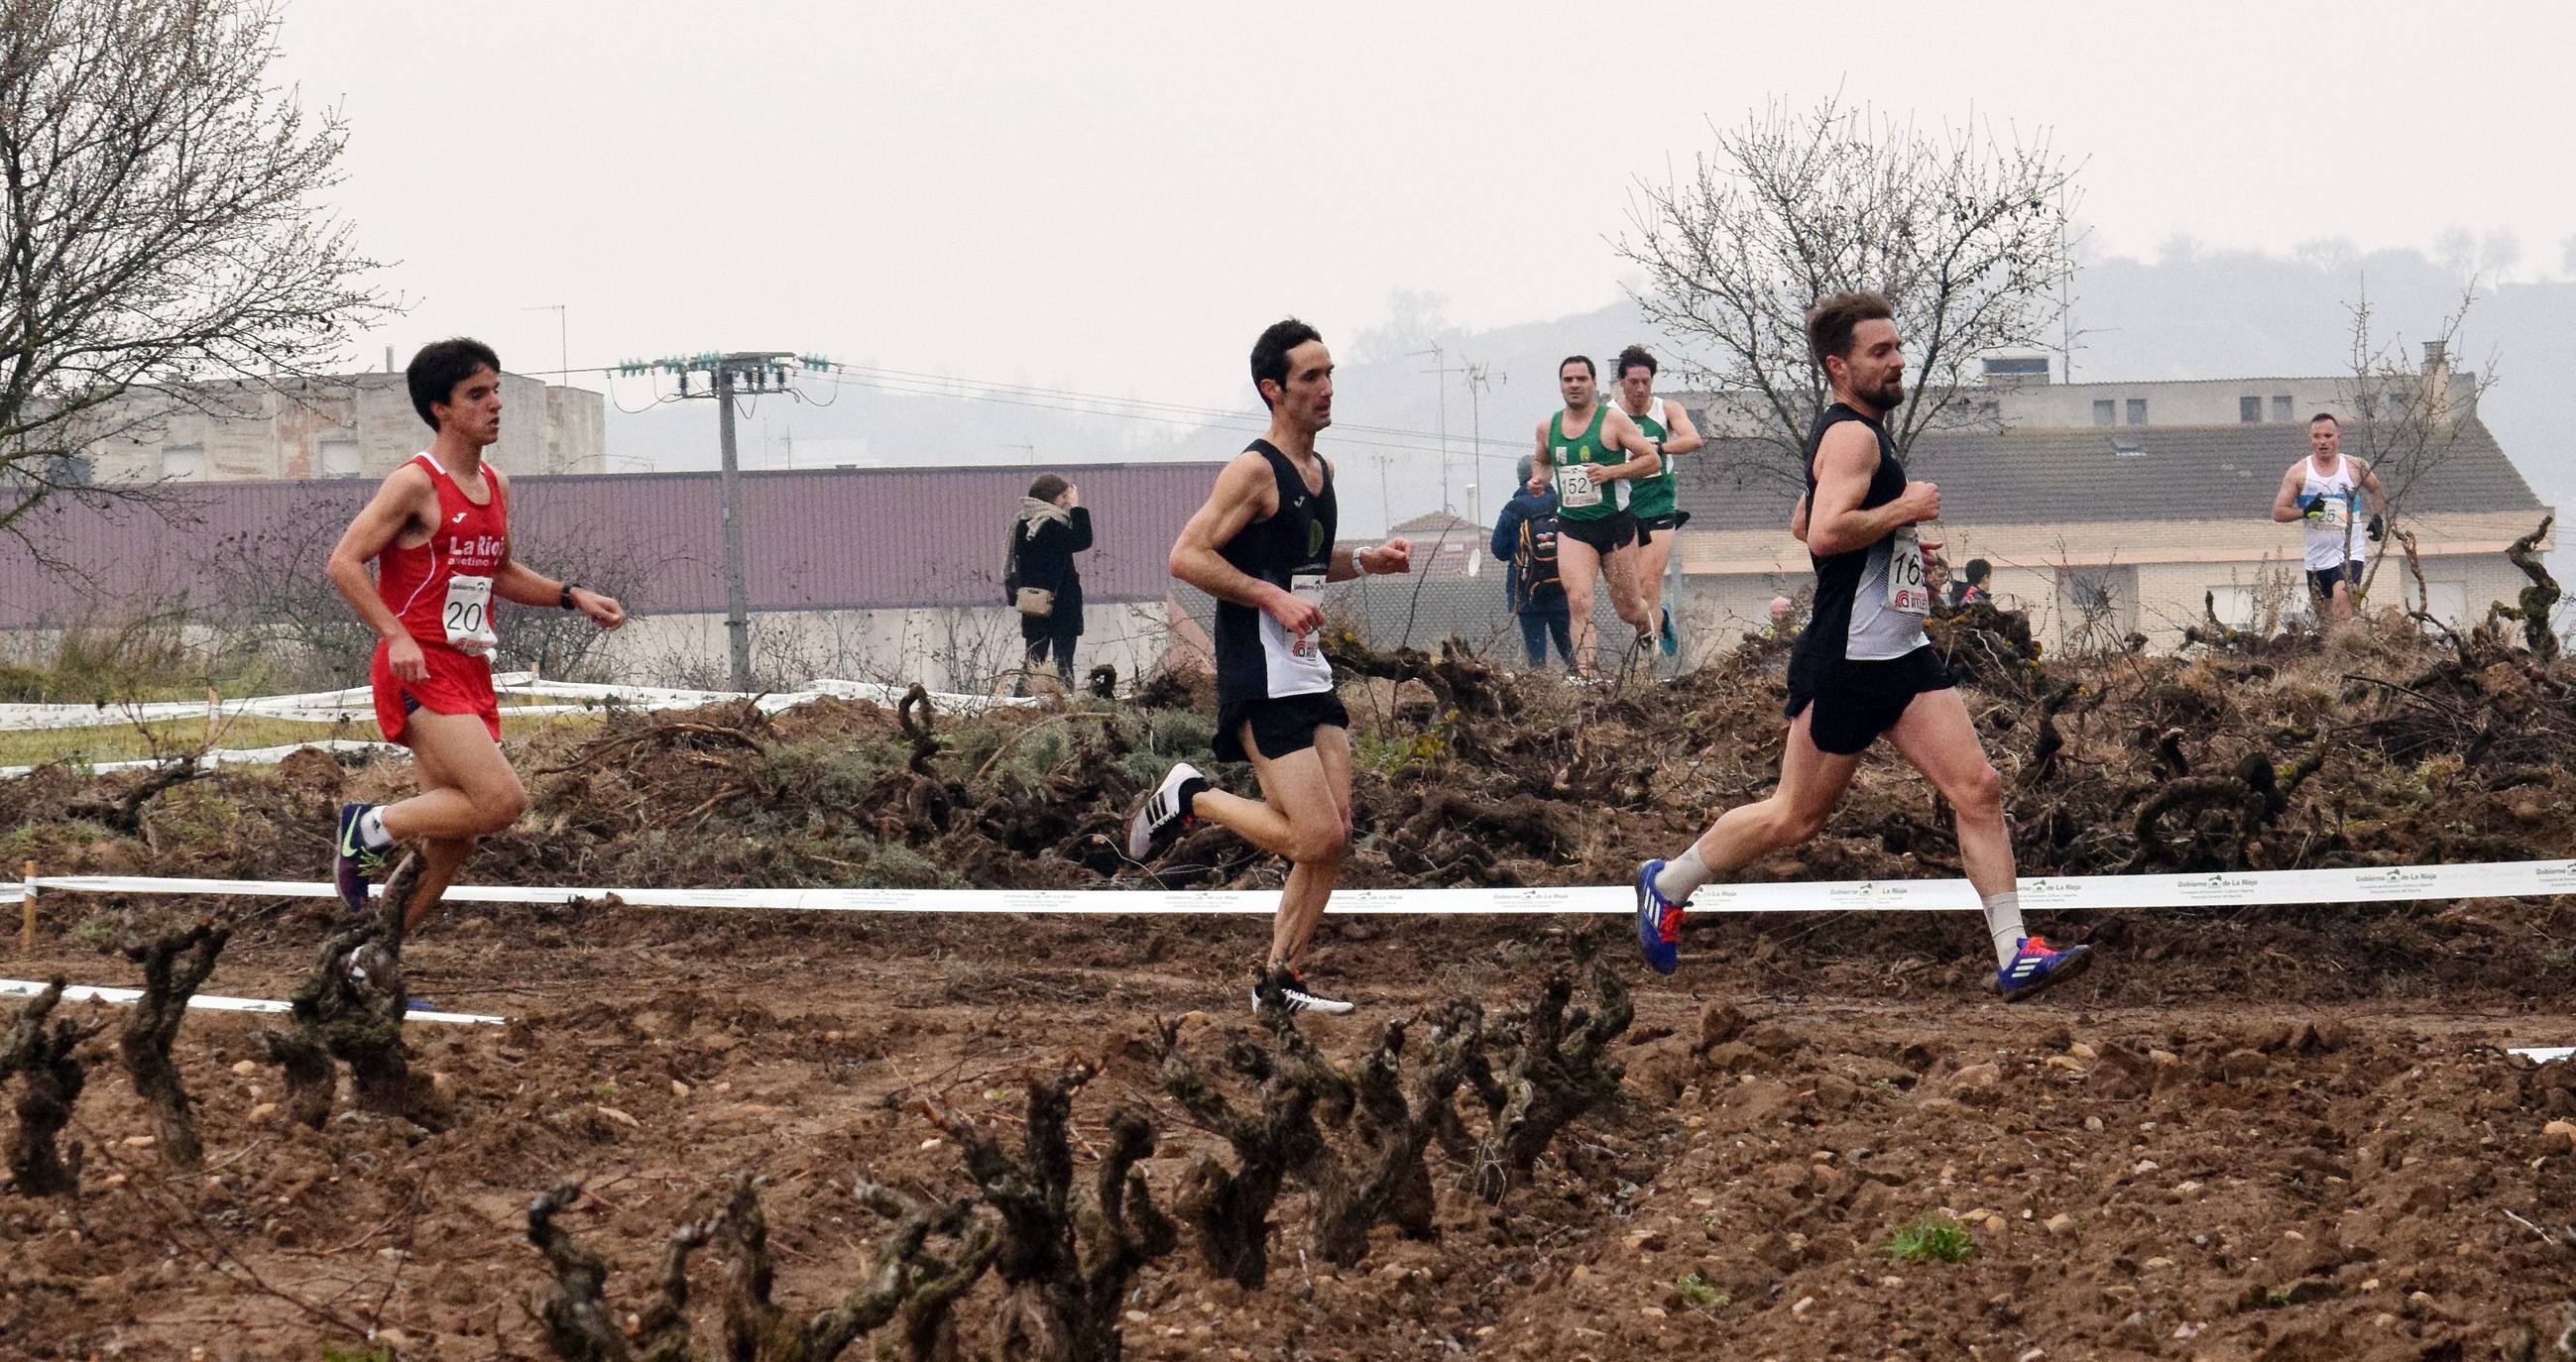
{"type": "Point", "coordinates": [2034, 967]}
{"type": "Point", "coordinates": [1659, 921]}
{"type": "Point", "coordinates": [352, 862]}
{"type": "Point", "coordinates": [1672, 642]}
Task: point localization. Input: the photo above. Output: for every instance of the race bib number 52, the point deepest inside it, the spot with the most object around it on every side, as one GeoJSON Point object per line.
{"type": "Point", "coordinates": [468, 615]}
{"type": "Point", "coordinates": [1906, 591]}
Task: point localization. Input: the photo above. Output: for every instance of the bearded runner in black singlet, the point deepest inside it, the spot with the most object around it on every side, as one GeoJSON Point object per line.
{"type": "Point", "coordinates": [1261, 545]}
{"type": "Point", "coordinates": [1863, 667]}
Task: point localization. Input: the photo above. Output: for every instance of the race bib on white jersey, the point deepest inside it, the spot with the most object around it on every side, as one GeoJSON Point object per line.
{"type": "Point", "coordinates": [468, 616]}
{"type": "Point", "coordinates": [1296, 662]}
{"type": "Point", "coordinates": [2335, 512]}
{"type": "Point", "coordinates": [1906, 591]}
{"type": "Point", "coordinates": [1575, 489]}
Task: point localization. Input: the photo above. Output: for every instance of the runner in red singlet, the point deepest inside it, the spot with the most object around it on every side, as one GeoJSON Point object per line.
{"type": "Point", "coordinates": [439, 533]}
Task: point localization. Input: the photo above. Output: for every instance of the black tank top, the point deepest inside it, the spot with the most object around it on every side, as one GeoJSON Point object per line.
{"type": "Point", "coordinates": [1255, 658]}
{"type": "Point", "coordinates": [1853, 619]}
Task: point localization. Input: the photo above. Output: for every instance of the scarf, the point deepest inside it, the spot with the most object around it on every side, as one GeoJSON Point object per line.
{"type": "Point", "coordinates": [1033, 512]}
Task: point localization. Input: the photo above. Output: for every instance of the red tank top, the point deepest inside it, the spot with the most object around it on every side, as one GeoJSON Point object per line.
{"type": "Point", "coordinates": [442, 590]}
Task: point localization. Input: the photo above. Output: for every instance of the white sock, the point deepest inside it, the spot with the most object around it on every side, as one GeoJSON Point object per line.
{"type": "Point", "coordinates": [1682, 876]}
{"type": "Point", "coordinates": [2003, 924]}
{"type": "Point", "coordinates": [371, 829]}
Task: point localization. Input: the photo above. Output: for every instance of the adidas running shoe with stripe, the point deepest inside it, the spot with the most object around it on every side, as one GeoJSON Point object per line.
{"type": "Point", "coordinates": [1659, 921]}
{"type": "Point", "coordinates": [353, 863]}
{"type": "Point", "coordinates": [2035, 966]}
{"type": "Point", "coordinates": [1165, 813]}
{"type": "Point", "coordinates": [1286, 988]}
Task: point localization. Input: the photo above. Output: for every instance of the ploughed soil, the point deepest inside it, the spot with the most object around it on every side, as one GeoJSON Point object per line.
{"type": "Point", "coordinates": [2258, 1132]}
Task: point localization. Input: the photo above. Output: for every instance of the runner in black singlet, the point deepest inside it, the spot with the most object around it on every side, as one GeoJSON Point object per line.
{"type": "Point", "coordinates": [1261, 545]}
{"type": "Point", "coordinates": [1862, 667]}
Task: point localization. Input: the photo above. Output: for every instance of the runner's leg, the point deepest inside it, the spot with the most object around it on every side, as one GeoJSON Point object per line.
{"type": "Point", "coordinates": [1301, 785]}
{"type": "Point", "coordinates": [1812, 782]}
{"type": "Point", "coordinates": [441, 858]}
{"type": "Point", "coordinates": [1936, 734]}
{"type": "Point", "coordinates": [1627, 595]}
{"type": "Point", "coordinates": [486, 796]}
{"type": "Point", "coordinates": [1580, 567]}
{"type": "Point", "coordinates": [1653, 557]}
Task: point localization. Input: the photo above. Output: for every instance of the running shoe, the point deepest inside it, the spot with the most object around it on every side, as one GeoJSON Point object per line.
{"type": "Point", "coordinates": [1659, 921]}
{"type": "Point", "coordinates": [353, 863]}
{"type": "Point", "coordinates": [2034, 967]}
{"type": "Point", "coordinates": [1165, 813]}
{"type": "Point", "coordinates": [1286, 988]}
{"type": "Point", "coordinates": [1672, 642]}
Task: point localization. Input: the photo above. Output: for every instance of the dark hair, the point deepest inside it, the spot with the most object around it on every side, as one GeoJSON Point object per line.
{"type": "Point", "coordinates": [1270, 353]}
{"type": "Point", "coordinates": [1048, 487]}
{"type": "Point", "coordinates": [440, 366]}
{"type": "Point", "coordinates": [1831, 322]}
{"type": "Point", "coordinates": [1632, 357]}
{"type": "Point", "coordinates": [1978, 570]}
{"type": "Point", "coordinates": [1585, 361]}
{"type": "Point", "coordinates": [2325, 416]}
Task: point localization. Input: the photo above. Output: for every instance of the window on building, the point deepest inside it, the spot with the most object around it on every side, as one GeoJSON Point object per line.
{"type": "Point", "coordinates": [2447, 602]}
{"type": "Point", "coordinates": [2281, 409]}
{"type": "Point", "coordinates": [339, 457]}
{"type": "Point", "coordinates": [2105, 412]}
{"type": "Point", "coordinates": [2249, 410]}
{"type": "Point", "coordinates": [183, 463]}
{"type": "Point", "coordinates": [2137, 411]}
{"type": "Point", "coordinates": [2096, 606]}
{"type": "Point", "coordinates": [2235, 606]}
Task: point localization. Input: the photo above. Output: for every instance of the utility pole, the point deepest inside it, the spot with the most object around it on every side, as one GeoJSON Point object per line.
{"type": "Point", "coordinates": [756, 371]}
{"type": "Point", "coordinates": [1479, 377]}
{"type": "Point", "coordinates": [1440, 368]}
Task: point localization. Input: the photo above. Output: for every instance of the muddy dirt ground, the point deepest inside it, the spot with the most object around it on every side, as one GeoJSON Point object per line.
{"type": "Point", "coordinates": [2278, 1133]}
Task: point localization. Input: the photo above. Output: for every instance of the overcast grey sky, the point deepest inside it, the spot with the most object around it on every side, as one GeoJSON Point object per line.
{"type": "Point", "coordinates": [1115, 198]}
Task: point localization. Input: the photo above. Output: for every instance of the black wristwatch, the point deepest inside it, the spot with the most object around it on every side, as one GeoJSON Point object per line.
{"type": "Point", "coordinates": [565, 600]}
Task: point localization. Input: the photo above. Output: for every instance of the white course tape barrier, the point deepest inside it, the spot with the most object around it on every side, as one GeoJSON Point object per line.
{"type": "Point", "coordinates": [2548, 1054]}
{"type": "Point", "coordinates": [79, 993]}
{"type": "Point", "coordinates": [357, 704]}
{"type": "Point", "coordinates": [226, 756]}
{"type": "Point", "coordinates": [2500, 879]}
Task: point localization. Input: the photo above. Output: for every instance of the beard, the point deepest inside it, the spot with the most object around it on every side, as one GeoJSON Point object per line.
{"type": "Point", "coordinates": [1888, 395]}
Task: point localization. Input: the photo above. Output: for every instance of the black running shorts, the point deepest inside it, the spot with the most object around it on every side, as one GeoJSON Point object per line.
{"type": "Point", "coordinates": [1604, 536]}
{"type": "Point", "coordinates": [2322, 580]}
{"type": "Point", "coordinates": [1661, 524]}
{"type": "Point", "coordinates": [1857, 701]}
{"type": "Point", "coordinates": [1279, 727]}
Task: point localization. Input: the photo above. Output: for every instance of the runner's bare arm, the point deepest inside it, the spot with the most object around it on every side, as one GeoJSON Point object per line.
{"type": "Point", "coordinates": [1619, 432]}
{"type": "Point", "coordinates": [1844, 464]}
{"type": "Point", "coordinates": [2285, 505]}
{"type": "Point", "coordinates": [1798, 520]}
{"type": "Point", "coordinates": [514, 582]}
{"type": "Point", "coordinates": [1680, 436]}
{"type": "Point", "coordinates": [1392, 557]}
{"type": "Point", "coordinates": [1542, 467]}
{"type": "Point", "coordinates": [2370, 483]}
{"type": "Point", "coordinates": [1245, 492]}
{"type": "Point", "coordinates": [395, 509]}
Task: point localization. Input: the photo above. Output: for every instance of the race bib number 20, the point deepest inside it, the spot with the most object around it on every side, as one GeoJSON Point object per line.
{"type": "Point", "coordinates": [1906, 591]}
{"type": "Point", "coordinates": [468, 615]}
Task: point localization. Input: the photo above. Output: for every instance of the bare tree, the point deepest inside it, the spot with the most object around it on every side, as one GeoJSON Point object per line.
{"type": "Point", "coordinates": [2411, 415]}
{"type": "Point", "coordinates": [1970, 237]}
{"type": "Point", "coordinates": [162, 228]}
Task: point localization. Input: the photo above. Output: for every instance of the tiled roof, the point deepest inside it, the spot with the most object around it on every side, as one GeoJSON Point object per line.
{"type": "Point", "coordinates": [2021, 477]}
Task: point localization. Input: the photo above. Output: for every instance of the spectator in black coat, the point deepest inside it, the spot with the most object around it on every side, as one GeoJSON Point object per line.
{"type": "Point", "coordinates": [1052, 527]}
{"type": "Point", "coordinates": [1541, 609]}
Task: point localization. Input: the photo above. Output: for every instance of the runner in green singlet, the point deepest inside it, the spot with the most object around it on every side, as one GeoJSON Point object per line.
{"type": "Point", "coordinates": [1658, 516]}
{"type": "Point", "coordinates": [1595, 455]}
